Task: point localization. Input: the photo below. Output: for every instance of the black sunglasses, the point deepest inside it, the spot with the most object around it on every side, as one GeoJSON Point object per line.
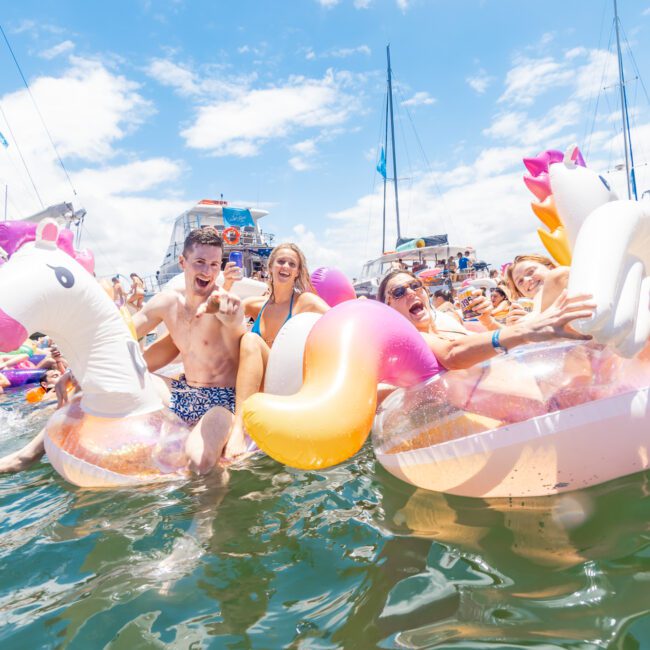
{"type": "Point", "coordinates": [400, 292]}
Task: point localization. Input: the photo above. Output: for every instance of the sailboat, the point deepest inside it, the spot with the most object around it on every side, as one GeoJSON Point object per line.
{"type": "Point", "coordinates": [427, 252]}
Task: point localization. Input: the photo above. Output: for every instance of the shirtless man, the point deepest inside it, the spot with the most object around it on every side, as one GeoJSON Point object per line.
{"type": "Point", "coordinates": [206, 325]}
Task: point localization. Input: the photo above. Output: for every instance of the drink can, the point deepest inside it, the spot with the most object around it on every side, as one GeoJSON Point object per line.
{"type": "Point", "coordinates": [237, 257]}
{"type": "Point", "coordinates": [526, 304]}
{"type": "Point", "coordinates": [465, 297]}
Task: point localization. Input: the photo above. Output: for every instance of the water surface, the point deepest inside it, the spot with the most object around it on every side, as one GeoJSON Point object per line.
{"type": "Point", "coordinates": [346, 558]}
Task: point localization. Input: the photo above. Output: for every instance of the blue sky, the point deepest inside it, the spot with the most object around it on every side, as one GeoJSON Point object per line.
{"type": "Point", "coordinates": [155, 105]}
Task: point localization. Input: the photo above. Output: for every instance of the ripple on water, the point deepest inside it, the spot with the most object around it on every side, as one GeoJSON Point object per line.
{"type": "Point", "coordinates": [349, 557]}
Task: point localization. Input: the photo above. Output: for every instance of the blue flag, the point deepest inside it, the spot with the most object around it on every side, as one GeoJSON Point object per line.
{"type": "Point", "coordinates": [381, 165]}
{"type": "Point", "coordinates": [237, 218]}
{"type": "Point", "coordinates": [3, 141]}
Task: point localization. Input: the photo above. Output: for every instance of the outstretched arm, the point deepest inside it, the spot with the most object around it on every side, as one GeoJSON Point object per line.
{"type": "Point", "coordinates": [548, 325]}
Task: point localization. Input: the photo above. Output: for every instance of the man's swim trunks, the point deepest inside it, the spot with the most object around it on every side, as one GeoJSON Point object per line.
{"type": "Point", "coordinates": [191, 403]}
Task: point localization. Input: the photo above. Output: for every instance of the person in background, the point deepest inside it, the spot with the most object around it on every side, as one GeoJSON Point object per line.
{"type": "Point", "coordinates": [464, 262]}
{"type": "Point", "coordinates": [500, 304]}
{"type": "Point", "coordinates": [443, 301]}
{"type": "Point", "coordinates": [452, 268]}
{"type": "Point", "coordinates": [136, 295]}
{"type": "Point", "coordinates": [537, 278]}
{"type": "Point", "coordinates": [119, 297]}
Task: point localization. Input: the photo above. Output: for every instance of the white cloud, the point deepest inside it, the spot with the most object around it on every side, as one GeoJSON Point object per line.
{"type": "Point", "coordinates": [189, 83]}
{"type": "Point", "coordinates": [61, 48]}
{"type": "Point", "coordinates": [86, 110]}
{"type": "Point", "coordinates": [240, 126]}
{"type": "Point", "coordinates": [403, 5]}
{"type": "Point", "coordinates": [529, 78]}
{"type": "Point", "coordinates": [310, 54]}
{"type": "Point", "coordinates": [174, 75]}
{"type": "Point", "coordinates": [490, 208]}
{"type": "Point", "coordinates": [344, 52]}
{"type": "Point", "coordinates": [419, 99]}
{"type": "Point", "coordinates": [587, 71]}
{"type": "Point", "coordinates": [305, 151]}
{"type": "Point", "coordinates": [328, 4]}
{"type": "Point", "coordinates": [362, 4]}
{"type": "Point", "coordinates": [480, 81]}
{"type": "Point", "coordinates": [89, 110]}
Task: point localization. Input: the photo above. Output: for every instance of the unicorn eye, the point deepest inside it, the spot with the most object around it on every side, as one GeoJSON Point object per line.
{"type": "Point", "coordinates": [63, 276]}
{"type": "Point", "coordinates": [605, 183]}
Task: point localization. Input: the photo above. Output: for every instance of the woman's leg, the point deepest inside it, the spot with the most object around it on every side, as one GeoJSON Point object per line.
{"type": "Point", "coordinates": [253, 357]}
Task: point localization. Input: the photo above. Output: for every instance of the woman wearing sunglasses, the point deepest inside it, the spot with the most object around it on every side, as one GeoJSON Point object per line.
{"type": "Point", "coordinates": [454, 346]}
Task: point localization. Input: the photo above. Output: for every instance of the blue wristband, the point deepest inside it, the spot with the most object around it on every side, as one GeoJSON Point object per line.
{"type": "Point", "coordinates": [496, 344]}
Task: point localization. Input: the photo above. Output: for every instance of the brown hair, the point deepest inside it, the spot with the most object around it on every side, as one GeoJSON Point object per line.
{"type": "Point", "coordinates": [207, 236]}
{"type": "Point", "coordinates": [302, 283]}
{"type": "Point", "coordinates": [540, 259]}
{"type": "Point", "coordinates": [381, 292]}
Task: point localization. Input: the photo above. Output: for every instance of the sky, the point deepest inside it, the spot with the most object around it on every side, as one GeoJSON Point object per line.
{"type": "Point", "coordinates": [154, 106]}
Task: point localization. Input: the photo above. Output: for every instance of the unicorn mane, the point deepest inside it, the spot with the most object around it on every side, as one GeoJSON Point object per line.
{"type": "Point", "coordinates": [14, 234]}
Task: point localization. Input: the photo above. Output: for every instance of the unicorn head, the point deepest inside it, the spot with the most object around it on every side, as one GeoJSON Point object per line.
{"type": "Point", "coordinates": [567, 192]}
{"type": "Point", "coordinates": [44, 288]}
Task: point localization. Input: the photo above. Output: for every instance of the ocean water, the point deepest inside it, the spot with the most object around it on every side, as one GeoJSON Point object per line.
{"type": "Point", "coordinates": [345, 558]}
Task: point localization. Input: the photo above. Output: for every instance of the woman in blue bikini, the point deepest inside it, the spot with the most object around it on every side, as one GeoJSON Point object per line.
{"type": "Point", "coordinates": [291, 293]}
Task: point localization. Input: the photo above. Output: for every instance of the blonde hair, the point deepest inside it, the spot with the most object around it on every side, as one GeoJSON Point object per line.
{"type": "Point", "coordinates": [302, 283]}
{"type": "Point", "coordinates": [540, 259]}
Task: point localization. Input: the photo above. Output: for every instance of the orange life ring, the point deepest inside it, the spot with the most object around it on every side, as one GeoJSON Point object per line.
{"type": "Point", "coordinates": [231, 236]}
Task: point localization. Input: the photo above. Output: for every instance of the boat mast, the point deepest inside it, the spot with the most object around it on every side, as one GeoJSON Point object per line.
{"type": "Point", "coordinates": [392, 135]}
{"type": "Point", "coordinates": [383, 232]}
{"type": "Point", "coordinates": [629, 158]}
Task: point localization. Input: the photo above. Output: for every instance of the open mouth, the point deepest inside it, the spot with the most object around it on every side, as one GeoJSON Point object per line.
{"type": "Point", "coordinates": [416, 309]}
{"type": "Point", "coordinates": [201, 283]}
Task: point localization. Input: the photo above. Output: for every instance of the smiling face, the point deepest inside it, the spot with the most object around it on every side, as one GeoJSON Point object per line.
{"type": "Point", "coordinates": [201, 266]}
{"type": "Point", "coordinates": [529, 276]}
{"type": "Point", "coordinates": [496, 298]}
{"type": "Point", "coordinates": [404, 295]}
{"type": "Point", "coordinates": [284, 267]}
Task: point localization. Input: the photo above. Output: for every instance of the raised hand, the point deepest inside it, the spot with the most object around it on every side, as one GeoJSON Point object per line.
{"type": "Point", "coordinates": [555, 321]}
{"type": "Point", "coordinates": [231, 274]}
{"type": "Point", "coordinates": [225, 306]}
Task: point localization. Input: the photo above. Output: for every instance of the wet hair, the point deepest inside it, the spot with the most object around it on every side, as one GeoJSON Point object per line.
{"type": "Point", "coordinates": [445, 294]}
{"type": "Point", "coordinates": [381, 292]}
{"type": "Point", "coordinates": [135, 275]}
{"type": "Point", "coordinates": [115, 279]}
{"type": "Point", "coordinates": [201, 236]}
{"type": "Point", "coordinates": [540, 259]}
{"type": "Point", "coordinates": [302, 283]}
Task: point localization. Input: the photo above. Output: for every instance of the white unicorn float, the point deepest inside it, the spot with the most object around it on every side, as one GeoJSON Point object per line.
{"type": "Point", "coordinates": [118, 432]}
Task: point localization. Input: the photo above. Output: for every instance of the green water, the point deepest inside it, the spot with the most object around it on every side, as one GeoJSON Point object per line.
{"type": "Point", "coordinates": [347, 558]}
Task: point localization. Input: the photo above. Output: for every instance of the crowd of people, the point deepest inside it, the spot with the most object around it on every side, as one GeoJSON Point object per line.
{"type": "Point", "coordinates": [224, 341]}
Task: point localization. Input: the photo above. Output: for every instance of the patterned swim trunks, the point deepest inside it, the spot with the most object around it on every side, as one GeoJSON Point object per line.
{"type": "Point", "coordinates": [191, 403]}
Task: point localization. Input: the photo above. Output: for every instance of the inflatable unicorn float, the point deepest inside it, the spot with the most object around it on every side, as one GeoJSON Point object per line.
{"type": "Point", "coordinates": [118, 433]}
{"type": "Point", "coordinates": [541, 420]}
